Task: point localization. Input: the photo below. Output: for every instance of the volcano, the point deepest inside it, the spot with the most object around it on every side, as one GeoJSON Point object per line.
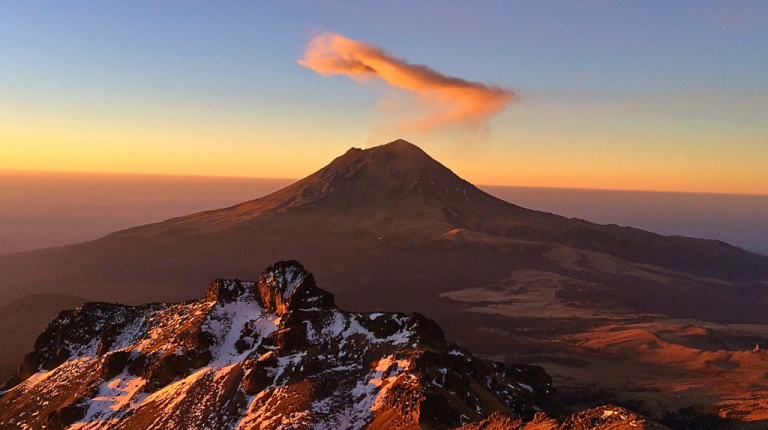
{"type": "Point", "coordinates": [390, 228]}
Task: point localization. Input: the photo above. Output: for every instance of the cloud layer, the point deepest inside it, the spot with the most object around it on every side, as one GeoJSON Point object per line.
{"type": "Point", "coordinates": [444, 99]}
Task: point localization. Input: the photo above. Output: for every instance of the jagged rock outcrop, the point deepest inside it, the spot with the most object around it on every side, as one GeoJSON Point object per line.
{"type": "Point", "coordinates": [272, 354]}
{"type": "Point", "coordinates": [603, 418]}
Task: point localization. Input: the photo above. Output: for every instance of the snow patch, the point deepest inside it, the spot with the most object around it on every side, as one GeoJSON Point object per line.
{"type": "Point", "coordinates": [226, 323]}
{"type": "Point", "coordinates": [115, 398]}
{"type": "Point", "coordinates": [287, 282]}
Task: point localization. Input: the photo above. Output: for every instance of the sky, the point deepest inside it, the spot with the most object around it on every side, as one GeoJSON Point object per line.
{"type": "Point", "coordinates": [652, 95]}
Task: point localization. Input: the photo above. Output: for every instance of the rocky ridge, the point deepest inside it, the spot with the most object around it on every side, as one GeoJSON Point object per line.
{"type": "Point", "coordinates": [272, 354]}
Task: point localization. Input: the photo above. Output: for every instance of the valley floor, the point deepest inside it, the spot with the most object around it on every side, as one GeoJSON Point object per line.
{"type": "Point", "coordinates": [683, 373]}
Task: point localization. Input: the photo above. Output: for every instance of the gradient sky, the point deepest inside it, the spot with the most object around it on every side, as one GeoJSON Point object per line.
{"type": "Point", "coordinates": [651, 95]}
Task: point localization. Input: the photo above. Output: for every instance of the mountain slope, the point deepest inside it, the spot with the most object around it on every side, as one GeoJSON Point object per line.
{"type": "Point", "coordinates": [391, 228]}
{"type": "Point", "coordinates": [375, 201]}
{"type": "Point", "coordinates": [399, 192]}
{"type": "Point", "coordinates": [272, 354]}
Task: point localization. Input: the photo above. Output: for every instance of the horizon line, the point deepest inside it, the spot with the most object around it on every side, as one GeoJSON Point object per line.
{"type": "Point", "coordinates": [179, 175]}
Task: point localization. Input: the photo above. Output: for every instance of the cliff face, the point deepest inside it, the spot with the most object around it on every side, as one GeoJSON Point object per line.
{"type": "Point", "coordinates": [272, 354]}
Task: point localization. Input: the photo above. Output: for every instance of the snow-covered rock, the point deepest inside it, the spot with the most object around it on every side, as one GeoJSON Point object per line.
{"type": "Point", "coordinates": [272, 354]}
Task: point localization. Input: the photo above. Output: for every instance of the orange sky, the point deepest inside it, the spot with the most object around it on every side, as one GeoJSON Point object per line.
{"type": "Point", "coordinates": [587, 149]}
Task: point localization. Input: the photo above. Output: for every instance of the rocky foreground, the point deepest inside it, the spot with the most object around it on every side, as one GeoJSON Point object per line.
{"type": "Point", "coordinates": [272, 354]}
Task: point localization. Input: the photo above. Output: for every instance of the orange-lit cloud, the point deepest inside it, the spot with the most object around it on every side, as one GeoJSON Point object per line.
{"type": "Point", "coordinates": [448, 100]}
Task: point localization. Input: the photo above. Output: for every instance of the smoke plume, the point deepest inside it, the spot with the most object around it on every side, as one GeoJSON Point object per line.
{"type": "Point", "coordinates": [444, 99]}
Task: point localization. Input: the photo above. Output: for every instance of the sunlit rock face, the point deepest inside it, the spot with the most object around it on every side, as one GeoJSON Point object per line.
{"type": "Point", "coordinates": [272, 354]}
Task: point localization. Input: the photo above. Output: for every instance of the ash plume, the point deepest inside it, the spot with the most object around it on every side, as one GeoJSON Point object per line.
{"type": "Point", "coordinates": [443, 100]}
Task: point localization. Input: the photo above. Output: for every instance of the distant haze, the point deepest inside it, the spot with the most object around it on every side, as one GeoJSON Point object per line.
{"type": "Point", "coordinates": [45, 209]}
